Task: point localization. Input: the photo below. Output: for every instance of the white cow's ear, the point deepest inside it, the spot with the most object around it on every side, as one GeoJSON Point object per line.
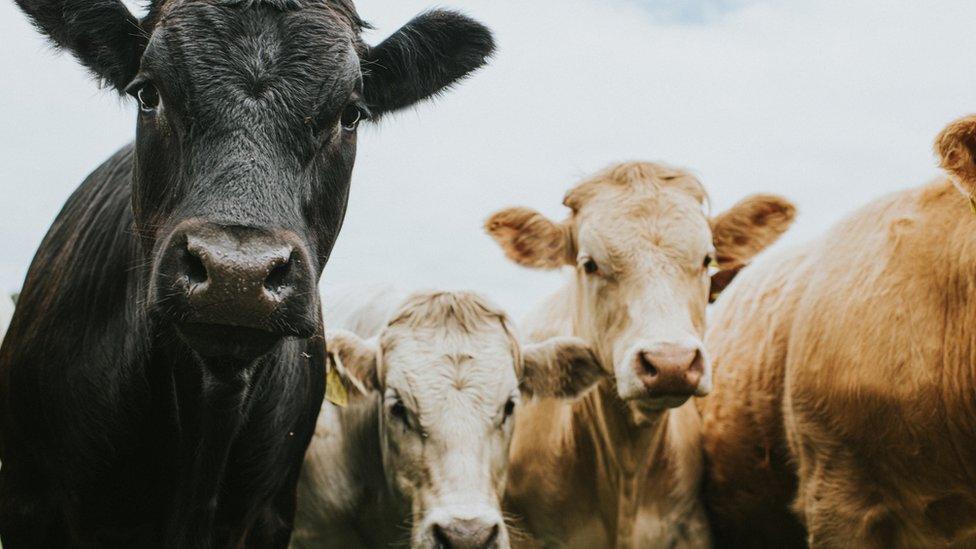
{"type": "Point", "coordinates": [531, 239]}
{"type": "Point", "coordinates": [748, 227]}
{"type": "Point", "coordinates": [956, 147]}
{"type": "Point", "coordinates": [562, 367]}
{"type": "Point", "coordinates": [354, 360]}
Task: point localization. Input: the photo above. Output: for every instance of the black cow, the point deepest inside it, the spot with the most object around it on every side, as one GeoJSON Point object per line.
{"type": "Point", "coordinates": [161, 377]}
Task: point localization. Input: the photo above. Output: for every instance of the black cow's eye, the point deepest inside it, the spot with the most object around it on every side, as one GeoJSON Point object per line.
{"type": "Point", "coordinates": [707, 262]}
{"type": "Point", "coordinates": [148, 97]}
{"type": "Point", "coordinates": [351, 116]}
{"type": "Point", "coordinates": [590, 266]}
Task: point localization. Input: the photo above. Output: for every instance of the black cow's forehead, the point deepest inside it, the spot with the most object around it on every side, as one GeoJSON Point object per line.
{"type": "Point", "coordinates": [343, 9]}
{"type": "Point", "coordinates": [217, 54]}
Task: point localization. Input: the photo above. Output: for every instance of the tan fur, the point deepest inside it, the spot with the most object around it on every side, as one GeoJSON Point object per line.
{"type": "Point", "coordinates": [749, 227]}
{"type": "Point", "coordinates": [749, 482]}
{"type": "Point", "coordinates": [531, 240]}
{"type": "Point", "coordinates": [956, 148]}
{"type": "Point", "coordinates": [619, 468]}
{"type": "Point", "coordinates": [558, 367]}
{"type": "Point", "coordinates": [856, 354]}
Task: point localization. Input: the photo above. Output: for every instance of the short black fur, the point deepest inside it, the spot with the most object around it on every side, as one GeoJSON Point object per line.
{"type": "Point", "coordinates": [102, 34]}
{"type": "Point", "coordinates": [124, 421]}
{"type": "Point", "coordinates": [399, 69]}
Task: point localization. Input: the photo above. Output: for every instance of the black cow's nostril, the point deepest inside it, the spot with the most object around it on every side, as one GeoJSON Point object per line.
{"type": "Point", "coordinates": [276, 280]}
{"type": "Point", "coordinates": [196, 272]}
{"type": "Point", "coordinates": [228, 286]}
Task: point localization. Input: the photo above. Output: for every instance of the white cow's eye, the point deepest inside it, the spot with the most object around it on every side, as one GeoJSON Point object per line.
{"type": "Point", "coordinates": [399, 411]}
{"type": "Point", "coordinates": [509, 408]}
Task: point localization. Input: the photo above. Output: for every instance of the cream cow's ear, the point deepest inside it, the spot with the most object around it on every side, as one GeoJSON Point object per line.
{"type": "Point", "coordinates": [561, 367]}
{"type": "Point", "coordinates": [748, 227]}
{"type": "Point", "coordinates": [531, 239]}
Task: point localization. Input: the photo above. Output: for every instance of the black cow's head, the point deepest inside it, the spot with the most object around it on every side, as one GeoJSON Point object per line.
{"type": "Point", "coordinates": [248, 112]}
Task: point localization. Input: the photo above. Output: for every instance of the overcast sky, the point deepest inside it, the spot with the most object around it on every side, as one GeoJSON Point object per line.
{"type": "Point", "coordinates": [830, 103]}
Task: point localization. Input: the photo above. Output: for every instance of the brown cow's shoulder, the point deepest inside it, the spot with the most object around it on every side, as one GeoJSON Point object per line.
{"type": "Point", "coordinates": [847, 363]}
{"type": "Point", "coordinates": [880, 371]}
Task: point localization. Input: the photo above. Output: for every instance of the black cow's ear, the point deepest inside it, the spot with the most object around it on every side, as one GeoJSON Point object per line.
{"type": "Point", "coordinates": [428, 54]}
{"type": "Point", "coordinates": [102, 34]}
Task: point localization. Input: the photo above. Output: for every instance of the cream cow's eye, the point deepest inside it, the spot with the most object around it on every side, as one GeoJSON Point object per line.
{"type": "Point", "coordinates": [590, 266]}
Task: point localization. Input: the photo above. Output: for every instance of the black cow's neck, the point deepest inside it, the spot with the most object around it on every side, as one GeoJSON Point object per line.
{"type": "Point", "coordinates": [150, 445]}
{"type": "Point", "coordinates": [207, 407]}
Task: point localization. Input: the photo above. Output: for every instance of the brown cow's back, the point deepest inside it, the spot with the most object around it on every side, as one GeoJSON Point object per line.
{"type": "Point", "coordinates": [867, 335]}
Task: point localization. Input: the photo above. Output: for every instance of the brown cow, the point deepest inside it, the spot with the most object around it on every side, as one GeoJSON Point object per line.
{"type": "Point", "coordinates": [845, 378]}
{"type": "Point", "coordinates": [621, 466]}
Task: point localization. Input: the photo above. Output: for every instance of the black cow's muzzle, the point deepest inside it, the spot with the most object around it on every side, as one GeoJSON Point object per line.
{"type": "Point", "coordinates": [235, 291]}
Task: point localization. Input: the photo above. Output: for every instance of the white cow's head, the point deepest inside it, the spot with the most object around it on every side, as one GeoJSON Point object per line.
{"type": "Point", "coordinates": [450, 373]}
{"type": "Point", "coordinates": [642, 245]}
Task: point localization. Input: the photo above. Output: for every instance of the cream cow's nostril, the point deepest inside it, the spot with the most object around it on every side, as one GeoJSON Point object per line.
{"type": "Point", "coordinates": [669, 369]}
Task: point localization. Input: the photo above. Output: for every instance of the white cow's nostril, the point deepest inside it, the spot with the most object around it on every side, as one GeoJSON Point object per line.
{"type": "Point", "coordinates": [645, 364]}
{"type": "Point", "coordinates": [466, 534]}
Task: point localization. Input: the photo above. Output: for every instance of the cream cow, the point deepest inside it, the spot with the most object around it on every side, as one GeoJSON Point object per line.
{"type": "Point", "coordinates": [621, 467]}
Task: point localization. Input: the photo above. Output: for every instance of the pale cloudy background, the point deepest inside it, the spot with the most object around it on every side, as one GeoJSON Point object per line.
{"type": "Point", "coordinates": [830, 103]}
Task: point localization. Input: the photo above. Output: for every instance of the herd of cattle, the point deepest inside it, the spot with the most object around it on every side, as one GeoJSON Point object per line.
{"type": "Point", "coordinates": [167, 380]}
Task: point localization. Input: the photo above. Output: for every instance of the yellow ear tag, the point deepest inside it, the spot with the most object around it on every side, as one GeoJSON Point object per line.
{"type": "Point", "coordinates": [972, 204]}
{"type": "Point", "coordinates": [335, 389]}
{"type": "Point", "coordinates": [712, 267]}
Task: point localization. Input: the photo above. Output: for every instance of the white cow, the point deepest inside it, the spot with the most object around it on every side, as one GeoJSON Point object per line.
{"type": "Point", "coordinates": [419, 455]}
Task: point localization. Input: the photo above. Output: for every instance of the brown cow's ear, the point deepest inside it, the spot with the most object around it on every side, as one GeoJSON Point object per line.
{"type": "Point", "coordinates": [354, 360]}
{"type": "Point", "coordinates": [531, 239]}
{"type": "Point", "coordinates": [748, 227]}
{"type": "Point", "coordinates": [561, 367]}
{"type": "Point", "coordinates": [956, 147]}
